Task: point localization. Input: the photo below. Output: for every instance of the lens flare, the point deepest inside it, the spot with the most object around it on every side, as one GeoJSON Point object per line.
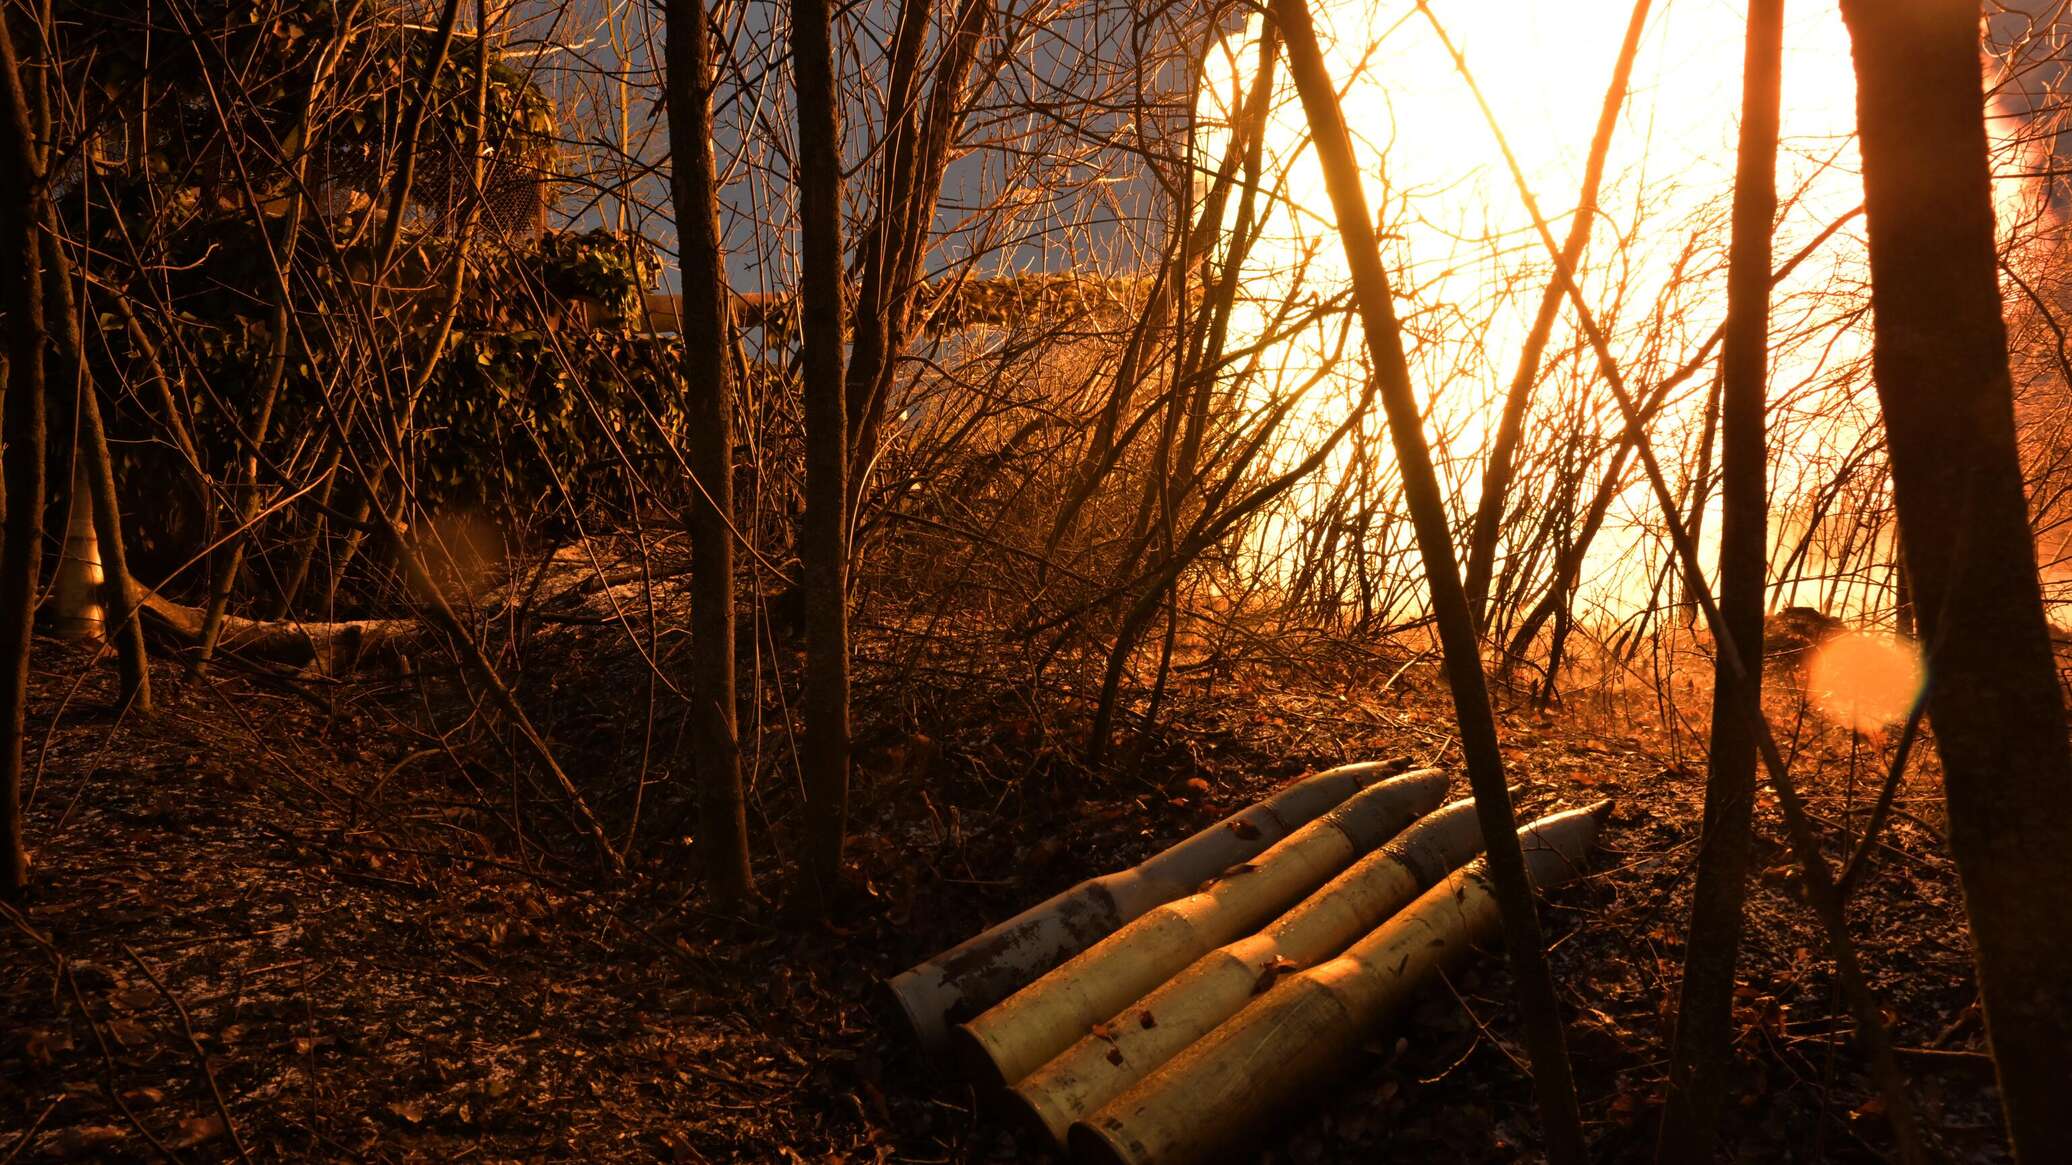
{"type": "Point", "coordinates": [1865, 680]}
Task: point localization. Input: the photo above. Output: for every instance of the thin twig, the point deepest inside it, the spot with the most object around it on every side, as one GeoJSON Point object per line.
{"type": "Point", "coordinates": [208, 1071]}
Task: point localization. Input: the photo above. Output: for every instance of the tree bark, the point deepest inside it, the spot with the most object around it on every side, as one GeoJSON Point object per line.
{"type": "Point", "coordinates": [1553, 1078]}
{"type": "Point", "coordinates": [21, 550]}
{"type": "Point", "coordinates": [228, 562]}
{"type": "Point", "coordinates": [1942, 374]}
{"type": "Point", "coordinates": [824, 529]}
{"type": "Point", "coordinates": [1701, 1051]}
{"type": "Point", "coordinates": [705, 325]}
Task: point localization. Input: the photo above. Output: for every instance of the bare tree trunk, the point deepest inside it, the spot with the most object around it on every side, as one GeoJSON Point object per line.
{"type": "Point", "coordinates": [872, 345]}
{"type": "Point", "coordinates": [824, 530]}
{"type": "Point", "coordinates": [22, 549]}
{"type": "Point", "coordinates": [83, 419]}
{"type": "Point", "coordinates": [1871, 1029]}
{"type": "Point", "coordinates": [1503, 451]}
{"type": "Point", "coordinates": [910, 185]}
{"type": "Point", "coordinates": [1699, 489]}
{"type": "Point", "coordinates": [411, 137]}
{"type": "Point", "coordinates": [230, 559]}
{"type": "Point", "coordinates": [1553, 1079]}
{"type": "Point", "coordinates": [708, 381]}
{"type": "Point", "coordinates": [1170, 477]}
{"type": "Point", "coordinates": [306, 549]}
{"type": "Point", "coordinates": [1942, 375]}
{"type": "Point", "coordinates": [1702, 1049]}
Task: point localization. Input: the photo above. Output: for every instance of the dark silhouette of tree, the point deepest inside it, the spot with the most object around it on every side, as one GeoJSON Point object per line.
{"type": "Point", "coordinates": [824, 530]}
{"type": "Point", "coordinates": [21, 553]}
{"type": "Point", "coordinates": [1553, 1078]}
{"type": "Point", "coordinates": [1940, 356]}
{"type": "Point", "coordinates": [1701, 1049]}
{"type": "Point", "coordinates": [709, 387]}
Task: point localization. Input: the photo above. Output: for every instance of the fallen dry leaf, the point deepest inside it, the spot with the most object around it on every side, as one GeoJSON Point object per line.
{"type": "Point", "coordinates": [82, 1141]}
{"type": "Point", "coordinates": [128, 1032]}
{"type": "Point", "coordinates": [44, 1045]}
{"type": "Point", "coordinates": [132, 998]}
{"type": "Point", "coordinates": [195, 1130]}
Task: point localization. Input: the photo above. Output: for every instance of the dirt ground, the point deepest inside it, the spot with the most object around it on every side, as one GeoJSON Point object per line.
{"type": "Point", "coordinates": [293, 920]}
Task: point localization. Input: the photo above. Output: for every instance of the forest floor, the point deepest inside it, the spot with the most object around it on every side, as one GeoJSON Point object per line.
{"type": "Point", "coordinates": [297, 921]}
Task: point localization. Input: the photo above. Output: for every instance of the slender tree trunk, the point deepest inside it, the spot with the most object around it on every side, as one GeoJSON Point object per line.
{"type": "Point", "coordinates": [1700, 491]}
{"type": "Point", "coordinates": [1871, 1029]}
{"type": "Point", "coordinates": [404, 176]}
{"type": "Point", "coordinates": [1628, 437]}
{"type": "Point", "coordinates": [230, 560]}
{"type": "Point", "coordinates": [21, 550]}
{"type": "Point", "coordinates": [1564, 599]}
{"type": "Point", "coordinates": [1941, 360]}
{"type": "Point", "coordinates": [871, 321]}
{"type": "Point", "coordinates": [1169, 479]}
{"type": "Point", "coordinates": [910, 186]}
{"type": "Point", "coordinates": [1503, 451]}
{"type": "Point", "coordinates": [823, 533]}
{"type": "Point", "coordinates": [62, 321]}
{"type": "Point", "coordinates": [1702, 1050]}
{"type": "Point", "coordinates": [708, 382]}
{"type": "Point", "coordinates": [1553, 1080]}
{"type": "Point", "coordinates": [306, 550]}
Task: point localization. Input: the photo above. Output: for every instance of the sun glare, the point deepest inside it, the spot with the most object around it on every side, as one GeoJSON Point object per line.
{"type": "Point", "coordinates": [1469, 267]}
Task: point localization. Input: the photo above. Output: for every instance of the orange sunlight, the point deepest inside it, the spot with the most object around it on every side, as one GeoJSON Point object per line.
{"type": "Point", "coordinates": [1469, 267]}
{"type": "Point", "coordinates": [1865, 680]}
